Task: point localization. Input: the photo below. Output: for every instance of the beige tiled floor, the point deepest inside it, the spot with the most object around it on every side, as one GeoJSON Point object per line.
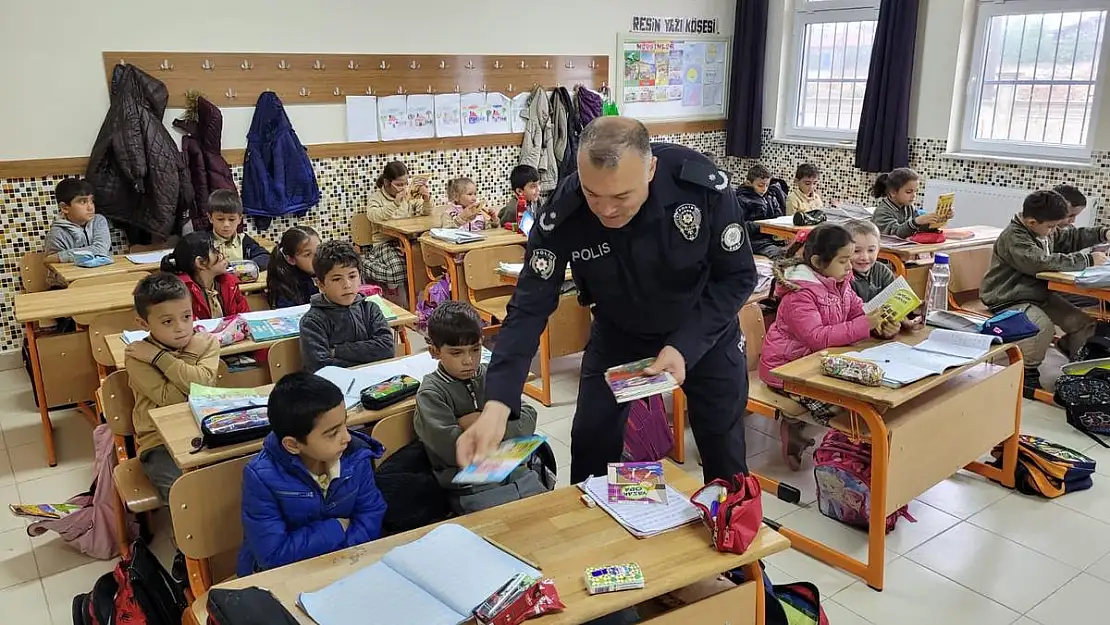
{"type": "Point", "coordinates": [978, 554]}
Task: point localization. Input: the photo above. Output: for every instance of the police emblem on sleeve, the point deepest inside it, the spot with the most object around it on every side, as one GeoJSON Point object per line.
{"type": "Point", "coordinates": [687, 218]}
{"type": "Point", "coordinates": [732, 238]}
{"type": "Point", "coordinates": [543, 263]}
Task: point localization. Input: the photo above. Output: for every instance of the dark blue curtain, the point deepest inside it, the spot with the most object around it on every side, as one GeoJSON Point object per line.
{"type": "Point", "coordinates": [882, 143]}
{"type": "Point", "coordinates": [744, 127]}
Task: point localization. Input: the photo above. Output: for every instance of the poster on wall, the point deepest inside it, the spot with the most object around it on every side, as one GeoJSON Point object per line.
{"type": "Point", "coordinates": [673, 77]}
{"type": "Point", "coordinates": [517, 121]}
{"type": "Point", "coordinates": [393, 122]}
{"type": "Point", "coordinates": [362, 118]}
{"type": "Point", "coordinates": [473, 111]}
{"type": "Point", "coordinates": [499, 107]}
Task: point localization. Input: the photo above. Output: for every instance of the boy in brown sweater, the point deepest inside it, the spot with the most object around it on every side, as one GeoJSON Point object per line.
{"type": "Point", "coordinates": [162, 366]}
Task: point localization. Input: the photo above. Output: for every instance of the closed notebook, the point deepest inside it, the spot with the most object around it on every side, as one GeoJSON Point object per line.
{"type": "Point", "coordinates": [436, 580]}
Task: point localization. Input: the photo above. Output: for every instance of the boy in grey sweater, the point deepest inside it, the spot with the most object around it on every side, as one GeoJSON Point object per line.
{"type": "Point", "coordinates": [78, 227]}
{"type": "Point", "coordinates": [450, 400]}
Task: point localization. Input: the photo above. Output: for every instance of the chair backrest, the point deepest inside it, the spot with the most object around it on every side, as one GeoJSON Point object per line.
{"type": "Point", "coordinates": [257, 301]}
{"type": "Point", "coordinates": [967, 269]}
{"type": "Point", "coordinates": [34, 273]}
{"type": "Point", "coordinates": [362, 231]}
{"type": "Point", "coordinates": [284, 358]}
{"type": "Point", "coordinates": [105, 325]}
{"type": "Point", "coordinates": [394, 432]}
{"type": "Point", "coordinates": [118, 402]}
{"type": "Point", "coordinates": [206, 507]}
{"type": "Point", "coordinates": [481, 266]}
{"type": "Point", "coordinates": [432, 257]}
{"type": "Point", "coordinates": [751, 325]}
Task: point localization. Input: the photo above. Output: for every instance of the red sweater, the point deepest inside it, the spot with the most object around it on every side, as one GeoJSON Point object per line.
{"type": "Point", "coordinates": [232, 299]}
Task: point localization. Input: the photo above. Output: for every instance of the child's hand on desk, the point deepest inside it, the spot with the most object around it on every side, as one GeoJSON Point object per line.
{"type": "Point", "coordinates": [889, 329]}
{"type": "Point", "coordinates": [913, 325]}
{"type": "Point", "coordinates": [466, 421]}
{"type": "Point", "coordinates": [142, 351]}
{"type": "Point", "coordinates": [1098, 258]}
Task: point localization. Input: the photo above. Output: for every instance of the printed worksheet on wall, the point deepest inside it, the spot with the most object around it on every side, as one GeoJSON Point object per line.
{"type": "Point", "coordinates": [393, 122]}
{"type": "Point", "coordinates": [447, 107]}
{"type": "Point", "coordinates": [362, 118]}
{"type": "Point", "coordinates": [421, 116]}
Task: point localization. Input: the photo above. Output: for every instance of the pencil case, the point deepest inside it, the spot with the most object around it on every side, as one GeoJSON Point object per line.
{"type": "Point", "coordinates": [614, 578]}
{"type": "Point", "coordinates": [389, 392]}
{"type": "Point", "coordinates": [245, 270]}
{"type": "Point", "coordinates": [851, 369]}
{"type": "Point", "coordinates": [231, 330]}
{"type": "Point", "coordinates": [733, 511]}
{"type": "Point", "coordinates": [233, 426]}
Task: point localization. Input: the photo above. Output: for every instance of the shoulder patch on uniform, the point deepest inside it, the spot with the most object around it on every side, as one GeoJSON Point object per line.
{"type": "Point", "coordinates": [704, 174]}
{"type": "Point", "coordinates": [732, 237]}
{"type": "Point", "coordinates": [564, 204]}
{"type": "Point", "coordinates": [543, 263]}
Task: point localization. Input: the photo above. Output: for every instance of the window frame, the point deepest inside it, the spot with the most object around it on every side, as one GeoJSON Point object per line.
{"type": "Point", "coordinates": [1008, 148]}
{"type": "Point", "coordinates": [805, 13]}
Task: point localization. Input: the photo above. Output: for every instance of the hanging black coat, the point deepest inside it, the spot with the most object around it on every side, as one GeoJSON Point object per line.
{"type": "Point", "coordinates": [564, 115]}
{"type": "Point", "coordinates": [136, 170]}
{"type": "Point", "coordinates": [208, 170]}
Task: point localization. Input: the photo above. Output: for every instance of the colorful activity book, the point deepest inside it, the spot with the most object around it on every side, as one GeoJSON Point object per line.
{"type": "Point", "coordinates": [271, 325]}
{"type": "Point", "coordinates": [44, 510]}
{"type": "Point", "coordinates": [224, 410]}
{"type": "Point", "coordinates": [637, 482]}
{"type": "Point", "coordinates": [501, 463]}
{"type": "Point", "coordinates": [628, 382]}
{"type": "Point", "coordinates": [897, 298]}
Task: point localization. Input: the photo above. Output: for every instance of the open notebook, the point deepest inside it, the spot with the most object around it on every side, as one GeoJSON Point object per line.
{"type": "Point", "coordinates": [642, 520]}
{"type": "Point", "coordinates": [436, 580]}
{"type": "Point", "coordinates": [352, 381]}
{"type": "Point", "coordinates": [904, 364]}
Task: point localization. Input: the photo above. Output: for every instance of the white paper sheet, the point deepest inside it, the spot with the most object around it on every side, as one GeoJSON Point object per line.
{"type": "Point", "coordinates": [376, 595]}
{"type": "Point", "coordinates": [473, 110]}
{"type": "Point", "coordinates": [518, 106]}
{"type": "Point", "coordinates": [499, 107]}
{"type": "Point", "coordinates": [784, 220]}
{"type": "Point", "coordinates": [448, 115]}
{"type": "Point", "coordinates": [393, 122]}
{"type": "Point", "coordinates": [352, 381]}
{"type": "Point", "coordinates": [362, 118]}
{"type": "Point", "coordinates": [640, 519]}
{"type": "Point", "coordinates": [958, 344]}
{"type": "Point", "coordinates": [130, 336]}
{"type": "Point", "coordinates": [148, 257]}
{"type": "Point", "coordinates": [421, 114]}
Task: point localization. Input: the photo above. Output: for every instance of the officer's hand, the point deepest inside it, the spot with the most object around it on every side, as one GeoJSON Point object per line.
{"type": "Point", "coordinates": [671, 361]}
{"type": "Point", "coordinates": [1098, 258]}
{"type": "Point", "coordinates": [483, 435]}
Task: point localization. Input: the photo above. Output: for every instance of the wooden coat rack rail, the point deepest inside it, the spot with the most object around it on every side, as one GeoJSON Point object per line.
{"type": "Point", "coordinates": [232, 79]}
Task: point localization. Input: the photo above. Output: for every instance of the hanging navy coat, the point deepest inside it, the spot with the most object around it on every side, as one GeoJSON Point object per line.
{"type": "Point", "coordinates": [277, 174]}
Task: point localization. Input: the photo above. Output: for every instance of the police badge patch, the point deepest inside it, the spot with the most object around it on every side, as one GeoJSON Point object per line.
{"type": "Point", "coordinates": [687, 218]}
{"type": "Point", "coordinates": [732, 238]}
{"type": "Point", "coordinates": [543, 263]}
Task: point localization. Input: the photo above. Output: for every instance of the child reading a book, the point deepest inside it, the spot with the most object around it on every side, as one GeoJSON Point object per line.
{"type": "Point", "coordinates": [870, 277]}
{"type": "Point", "coordinates": [290, 280]}
{"type": "Point", "coordinates": [342, 327]}
{"type": "Point", "coordinates": [311, 489]}
{"type": "Point", "coordinates": [227, 214]}
{"type": "Point", "coordinates": [818, 309]}
{"type": "Point", "coordinates": [203, 269]}
{"type": "Point", "coordinates": [1034, 241]}
{"type": "Point", "coordinates": [804, 197]}
{"type": "Point", "coordinates": [895, 213]}
{"type": "Point", "coordinates": [464, 211]}
{"type": "Point", "coordinates": [525, 183]}
{"type": "Point", "coordinates": [450, 400]}
{"type": "Point", "coordinates": [161, 367]}
{"type": "Point", "coordinates": [78, 228]}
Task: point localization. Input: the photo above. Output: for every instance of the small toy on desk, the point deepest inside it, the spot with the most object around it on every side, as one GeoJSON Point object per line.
{"type": "Point", "coordinates": [614, 578]}
{"type": "Point", "coordinates": [851, 369]}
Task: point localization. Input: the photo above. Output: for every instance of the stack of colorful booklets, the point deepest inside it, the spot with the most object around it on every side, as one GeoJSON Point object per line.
{"type": "Point", "coordinates": [629, 382]}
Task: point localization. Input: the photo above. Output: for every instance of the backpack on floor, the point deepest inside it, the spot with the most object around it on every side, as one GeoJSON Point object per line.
{"type": "Point", "coordinates": [842, 470]}
{"type": "Point", "coordinates": [647, 436]}
{"type": "Point", "coordinates": [1086, 401]}
{"type": "Point", "coordinates": [1048, 469]}
{"type": "Point", "coordinates": [1097, 347]}
{"type": "Point", "coordinates": [438, 292]}
{"type": "Point", "coordinates": [137, 592]}
{"type": "Point", "coordinates": [798, 603]}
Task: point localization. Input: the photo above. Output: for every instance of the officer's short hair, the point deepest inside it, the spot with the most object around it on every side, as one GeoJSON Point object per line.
{"type": "Point", "coordinates": [605, 140]}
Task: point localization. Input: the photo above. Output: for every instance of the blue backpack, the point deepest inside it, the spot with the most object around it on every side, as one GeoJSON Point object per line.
{"type": "Point", "coordinates": [277, 174]}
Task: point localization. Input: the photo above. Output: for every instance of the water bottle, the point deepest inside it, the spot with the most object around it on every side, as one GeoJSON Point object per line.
{"type": "Point", "coordinates": [938, 283]}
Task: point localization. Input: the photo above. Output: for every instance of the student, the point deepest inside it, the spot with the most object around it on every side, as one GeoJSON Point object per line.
{"type": "Point", "coordinates": [895, 213]}
{"type": "Point", "coordinates": [758, 200]}
{"type": "Point", "coordinates": [342, 327]}
{"type": "Point", "coordinates": [804, 197]}
{"type": "Point", "coordinates": [1034, 242]}
{"type": "Point", "coordinates": [311, 489]}
{"type": "Point", "coordinates": [227, 213]}
{"type": "Point", "coordinates": [1077, 202]}
{"type": "Point", "coordinates": [870, 277]}
{"type": "Point", "coordinates": [392, 199]}
{"type": "Point", "coordinates": [78, 228]}
{"type": "Point", "coordinates": [450, 400]}
{"type": "Point", "coordinates": [290, 280]}
{"type": "Point", "coordinates": [818, 309]}
{"type": "Point", "coordinates": [203, 269]}
{"type": "Point", "coordinates": [464, 210]}
{"type": "Point", "coordinates": [525, 182]}
{"type": "Point", "coordinates": [161, 367]}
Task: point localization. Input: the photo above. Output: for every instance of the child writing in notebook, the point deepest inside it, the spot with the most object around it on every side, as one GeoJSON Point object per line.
{"type": "Point", "coordinates": [311, 490]}
{"type": "Point", "coordinates": [464, 211]}
{"type": "Point", "coordinates": [290, 280]}
{"type": "Point", "coordinates": [818, 309]}
{"type": "Point", "coordinates": [870, 277]}
{"type": "Point", "coordinates": [203, 268]}
{"type": "Point", "coordinates": [895, 213]}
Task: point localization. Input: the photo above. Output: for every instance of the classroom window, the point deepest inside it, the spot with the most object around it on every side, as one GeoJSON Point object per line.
{"type": "Point", "coordinates": [832, 54]}
{"type": "Point", "coordinates": [1035, 79]}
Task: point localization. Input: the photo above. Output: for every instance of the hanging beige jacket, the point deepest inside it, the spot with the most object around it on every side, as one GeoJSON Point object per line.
{"type": "Point", "coordinates": [381, 207]}
{"type": "Point", "coordinates": [537, 149]}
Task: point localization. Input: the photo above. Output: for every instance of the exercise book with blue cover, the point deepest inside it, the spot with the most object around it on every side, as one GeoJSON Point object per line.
{"type": "Point", "coordinates": [436, 580]}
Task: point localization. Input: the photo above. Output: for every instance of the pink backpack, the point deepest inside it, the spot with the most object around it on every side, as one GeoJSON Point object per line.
{"type": "Point", "coordinates": [92, 530]}
{"type": "Point", "coordinates": [647, 436]}
{"type": "Point", "coordinates": [438, 291]}
{"type": "Point", "coordinates": [842, 470]}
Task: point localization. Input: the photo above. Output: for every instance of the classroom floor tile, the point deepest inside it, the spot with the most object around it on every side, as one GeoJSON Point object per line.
{"type": "Point", "coordinates": [9, 495]}
{"type": "Point", "coordinates": [1048, 528]}
{"type": "Point", "coordinates": [841, 615]}
{"type": "Point", "coordinates": [853, 542]}
{"type": "Point", "coordinates": [796, 566]}
{"type": "Point", "coordinates": [558, 430]}
{"type": "Point", "coordinates": [1101, 569]}
{"type": "Point", "coordinates": [769, 464]}
{"type": "Point", "coordinates": [61, 588]}
{"type": "Point", "coordinates": [1082, 600]}
{"type": "Point", "coordinates": [26, 604]}
{"type": "Point", "coordinates": [963, 494]}
{"type": "Point", "coordinates": [17, 559]}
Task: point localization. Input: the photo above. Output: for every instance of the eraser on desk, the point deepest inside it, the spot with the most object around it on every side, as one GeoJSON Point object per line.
{"type": "Point", "coordinates": [614, 578]}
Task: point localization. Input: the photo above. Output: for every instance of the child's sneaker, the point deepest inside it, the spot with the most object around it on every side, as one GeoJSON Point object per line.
{"type": "Point", "coordinates": [1032, 383]}
{"type": "Point", "coordinates": [794, 442]}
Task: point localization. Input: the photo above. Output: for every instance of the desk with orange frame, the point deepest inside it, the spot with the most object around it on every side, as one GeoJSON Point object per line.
{"type": "Point", "coordinates": [920, 434]}
{"type": "Point", "coordinates": [407, 231]}
{"type": "Point", "coordinates": [455, 252]}
{"type": "Point", "coordinates": [1064, 282]}
{"type": "Point", "coordinates": [69, 272]}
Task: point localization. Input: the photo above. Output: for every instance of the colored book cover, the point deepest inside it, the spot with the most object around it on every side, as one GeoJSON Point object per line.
{"type": "Point", "coordinates": [227, 409]}
{"type": "Point", "coordinates": [274, 328]}
{"type": "Point", "coordinates": [386, 309]}
{"type": "Point", "coordinates": [44, 510]}
{"type": "Point", "coordinates": [637, 482]}
{"type": "Point", "coordinates": [898, 300]}
{"type": "Point", "coordinates": [501, 463]}
{"type": "Point", "coordinates": [628, 381]}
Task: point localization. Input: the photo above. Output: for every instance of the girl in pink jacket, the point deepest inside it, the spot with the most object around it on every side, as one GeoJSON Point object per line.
{"type": "Point", "coordinates": [817, 310]}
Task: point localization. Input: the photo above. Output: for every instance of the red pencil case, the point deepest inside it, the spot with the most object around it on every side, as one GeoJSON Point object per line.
{"type": "Point", "coordinates": [735, 521]}
{"type": "Point", "coordinates": [928, 238]}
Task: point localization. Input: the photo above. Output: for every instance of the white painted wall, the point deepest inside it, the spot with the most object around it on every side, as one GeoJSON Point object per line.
{"type": "Point", "coordinates": [55, 93]}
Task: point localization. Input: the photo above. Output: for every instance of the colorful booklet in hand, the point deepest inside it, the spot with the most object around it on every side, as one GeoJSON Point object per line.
{"type": "Point", "coordinates": [501, 463]}
{"type": "Point", "coordinates": [629, 382]}
{"type": "Point", "coordinates": [897, 298]}
{"type": "Point", "coordinates": [387, 310]}
{"type": "Point", "coordinates": [44, 510]}
{"type": "Point", "coordinates": [637, 482]}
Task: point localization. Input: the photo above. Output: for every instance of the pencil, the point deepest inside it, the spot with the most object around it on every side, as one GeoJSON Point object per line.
{"type": "Point", "coordinates": [513, 553]}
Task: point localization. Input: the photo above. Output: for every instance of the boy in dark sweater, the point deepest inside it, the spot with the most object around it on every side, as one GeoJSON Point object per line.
{"type": "Point", "coordinates": [342, 327]}
{"type": "Point", "coordinates": [759, 200]}
{"type": "Point", "coordinates": [450, 400]}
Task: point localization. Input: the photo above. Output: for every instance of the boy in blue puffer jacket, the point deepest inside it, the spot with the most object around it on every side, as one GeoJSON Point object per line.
{"type": "Point", "coordinates": [311, 490]}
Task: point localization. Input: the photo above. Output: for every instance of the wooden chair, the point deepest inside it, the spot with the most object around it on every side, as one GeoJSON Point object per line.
{"type": "Point", "coordinates": [33, 272]}
{"type": "Point", "coordinates": [100, 329]}
{"type": "Point", "coordinates": [967, 269]}
{"type": "Point", "coordinates": [362, 231]}
{"type": "Point", "coordinates": [761, 399]}
{"type": "Point", "coordinates": [206, 510]}
{"type": "Point", "coordinates": [394, 432]}
{"type": "Point", "coordinates": [435, 263]}
{"type": "Point", "coordinates": [131, 277]}
{"type": "Point", "coordinates": [284, 358]}
{"type": "Point", "coordinates": [484, 288]}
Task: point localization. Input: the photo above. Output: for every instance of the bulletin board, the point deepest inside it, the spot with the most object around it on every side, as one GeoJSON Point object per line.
{"type": "Point", "coordinates": [673, 77]}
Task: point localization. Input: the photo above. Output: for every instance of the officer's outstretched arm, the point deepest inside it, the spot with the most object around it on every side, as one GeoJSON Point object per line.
{"type": "Point", "coordinates": [732, 280]}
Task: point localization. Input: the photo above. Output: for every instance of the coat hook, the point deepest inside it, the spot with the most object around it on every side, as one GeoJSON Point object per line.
{"type": "Point", "coordinates": [247, 65]}
{"type": "Point", "coordinates": [483, 87]}
{"type": "Point", "coordinates": [456, 88]}
{"type": "Point", "coordinates": [304, 92]}
{"type": "Point", "coordinates": [207, 65]}
{"type": "Point", "coordinates": [383, 66]}
{"type": "Point", "coordinates": [430, 89]}
{"type": "Point", "coordinates": [282, 65]}
{"type": "Point", "coordinates": [523, 65]}
{"type": "Point", "coordinates": [470, 65]}
{"type": "Point", "coordinates": [165, 65]}
{"type": "Point", "coordinates": [318, 65]}
{"type": "Point", "coordinates": [547, 64]}
{"type": "Point", "coordinates": [443, 64]}
{"type": "Point", "coordinates": [497, 65]}
{"type": "Point", "coordinates": [414, 65]}
{"type": "Point", "coordinates": [593, 64]}
{"type": "Point", "coordinates": [122, 62]}
{"type": "Point", "coordinates": [337, 92]}
{"type": "Point", "coordinates": [401, 90]}
{"type": "Point", "coordinates": [369, 91]}
{"type": "Point", "coordinates": [569, 65]}
{"type": "Point", "coordinates": [510, 87]}
{"type": "Point", "coordinates": [352, 64]}
{"type": "Point", "coordinates": [230, 94]}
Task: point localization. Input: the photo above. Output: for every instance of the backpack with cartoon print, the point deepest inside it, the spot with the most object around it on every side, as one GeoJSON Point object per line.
{"type": "Point", "coordinates": [842, 469]}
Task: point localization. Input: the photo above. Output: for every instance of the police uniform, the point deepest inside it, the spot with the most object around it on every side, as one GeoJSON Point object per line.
{"type": "Point", "coordinates": [676, 274]}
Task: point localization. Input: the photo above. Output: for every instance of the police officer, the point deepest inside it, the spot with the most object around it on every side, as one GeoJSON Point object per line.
{"type": "Point", "coordinates": [657, 246]}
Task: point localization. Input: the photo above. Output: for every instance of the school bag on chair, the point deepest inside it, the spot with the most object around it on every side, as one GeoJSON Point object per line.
{"type": "Point", "coordinates": [138, 592]}
{"type": "Point", "coordinates": [842, 470]}
{"type": "Point", "coordinates": [647, 437]}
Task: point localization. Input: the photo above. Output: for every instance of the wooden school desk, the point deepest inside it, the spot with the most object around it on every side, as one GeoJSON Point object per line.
{"type": "Point", "coordinates": [565, 537]}
{"type": "Point", "coordinates": [920, 434]}
{"type": "Point", "coordinates": [495, 237]}
{"type": "Point", "coordinates": [1062, 282]}
{"type": "Point", "coordinates": [406, 231]}
{"type": "Point", "coordinates": [68, 272]}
